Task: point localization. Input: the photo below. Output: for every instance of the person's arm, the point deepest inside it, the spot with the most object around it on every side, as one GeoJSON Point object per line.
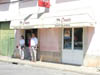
{"type": "Point", "coordinates": [36, 41]}
{"type": "Point", "coordinates": [24, 42]}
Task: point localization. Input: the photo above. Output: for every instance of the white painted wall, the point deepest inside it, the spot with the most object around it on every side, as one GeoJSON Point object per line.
{"type": "Point", "coordinates": [4, 12]}
{"type": "Point", "coordinates": [8, 11]}
{"type": "Point", "coordinates": [94, 33]}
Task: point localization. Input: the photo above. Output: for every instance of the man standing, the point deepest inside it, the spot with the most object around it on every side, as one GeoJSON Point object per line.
{"type": "Point", "coordinates": [22, 44]}
{"type": "Point", "coordinates": [33, 50]}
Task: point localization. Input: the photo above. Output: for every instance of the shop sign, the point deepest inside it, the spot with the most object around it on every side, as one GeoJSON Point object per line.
{"type": "Point", "coordinates": [63, 21]}
{"type": "Point", "coordinates": [23, 22]}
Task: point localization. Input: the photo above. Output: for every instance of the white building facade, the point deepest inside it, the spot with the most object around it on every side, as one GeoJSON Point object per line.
{"type": "Point", "coordinates": [68, 31]}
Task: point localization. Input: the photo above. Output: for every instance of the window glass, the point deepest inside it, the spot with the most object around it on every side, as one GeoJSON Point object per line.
{"type": "Point", "coordinates": [67, 38]}
{"type": "Point", "coordinates": [78, 42]}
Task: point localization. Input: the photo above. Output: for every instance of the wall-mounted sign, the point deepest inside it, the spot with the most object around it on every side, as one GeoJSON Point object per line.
{"type": "Point", "coordinates": [64, 21]}
{"type": "Point", "coordinates": [23, 22]}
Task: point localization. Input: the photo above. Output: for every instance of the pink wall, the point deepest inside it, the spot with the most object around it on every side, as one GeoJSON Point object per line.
{"type": "Point", "coordinates": [92, 44]}
{"type": "Point", "coordinates": [17, 37]}
{"type": "Point", "coordinates": [90, 34]}
{"type": "Point", "coordinates": [49, 40]}
{"type": "Point", "coordinates": [18, 34]}
{"type": "Point", "coordinates": [94, 41]}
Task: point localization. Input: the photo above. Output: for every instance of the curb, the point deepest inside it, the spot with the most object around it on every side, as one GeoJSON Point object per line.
{"type": "Point", "coordinates": [81, 70]}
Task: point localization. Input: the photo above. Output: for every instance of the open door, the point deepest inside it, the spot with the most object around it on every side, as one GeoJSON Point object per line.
{"type": "Point", "coordinates": [28, 34]}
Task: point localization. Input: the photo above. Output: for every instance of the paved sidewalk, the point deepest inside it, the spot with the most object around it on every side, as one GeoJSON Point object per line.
{"type": "Point", "coordinates": [65, 67]}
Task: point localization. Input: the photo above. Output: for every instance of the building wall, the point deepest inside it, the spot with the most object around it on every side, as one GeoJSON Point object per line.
{"type": "Point", "coordinates": [49, 40]}
{"type": "Point", "coordinates": [92, 55]}
{"type": "Point", "coordinates": [7, 39]}
{"type": "Point", "coordinates": [50, 48]}
{"type": "Point", "coordinates": [18, 34]}
{"type": "Point", "coordinates": [61, 8]}
{"type": "Point", "coordinates": [9, 10]}
{"type": "Point", "coordinates": [91, 43]}
{"type": "Point", "coordinates": [26, 7]}
{"type": "Point", "coordinates": [50, 44]}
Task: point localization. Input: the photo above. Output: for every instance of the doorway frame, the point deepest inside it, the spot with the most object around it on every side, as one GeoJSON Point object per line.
{"type": "Point", "coordinates": [72, 49]}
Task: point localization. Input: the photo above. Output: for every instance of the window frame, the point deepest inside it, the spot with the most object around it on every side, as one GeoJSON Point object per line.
{"type": "Point", "coordinates": [72, 48]}
{"type": "Point", "coordinates": [64, 39]}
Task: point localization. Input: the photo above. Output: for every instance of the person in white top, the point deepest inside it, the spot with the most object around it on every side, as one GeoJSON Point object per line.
{"type": "Point", "coordinates": [33, 50]}
{"type": "Point", "coordinates": [22, 44]}
{"type": "Point", "coordinates": [22, 41]}
{"type": "Point", "coordinates": [34, 41]}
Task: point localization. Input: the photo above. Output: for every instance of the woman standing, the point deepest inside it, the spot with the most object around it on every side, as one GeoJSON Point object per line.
{"type": "Point", "coordinates": [22, 45]}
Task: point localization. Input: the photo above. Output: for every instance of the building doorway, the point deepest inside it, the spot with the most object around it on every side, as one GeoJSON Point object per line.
{"type": "Point", "coordinates": [7, 39]}
{"type": "Point", "coordinates": [73, 46]}
{"type": "Point", "coordinates": [28, 35]}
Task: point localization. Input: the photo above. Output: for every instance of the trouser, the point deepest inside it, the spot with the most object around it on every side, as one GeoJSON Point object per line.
{"type": "Point", "coordinates": [21, 52]}
{"type": "Point", "coordinates": [33, 53]}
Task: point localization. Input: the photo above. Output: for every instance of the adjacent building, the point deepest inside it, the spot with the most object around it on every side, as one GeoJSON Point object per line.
{"type": "Point", "coordinates": [68, 30]}
{"type": "Point", "coordinates": [7, 35]}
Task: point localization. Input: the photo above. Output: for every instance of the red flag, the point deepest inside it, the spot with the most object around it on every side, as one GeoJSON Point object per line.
{"type": "Point", "coordinates": [41, 3]}
{"type": "Point", "coordinates": [44, 3]}
{"type": "Point", "coordinates": [47, 4]}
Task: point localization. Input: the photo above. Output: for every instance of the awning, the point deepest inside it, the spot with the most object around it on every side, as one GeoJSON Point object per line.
{"type": "Point", "coordinates": [53, 22]}
{"type": "Point", "coordinates": [21, 24]}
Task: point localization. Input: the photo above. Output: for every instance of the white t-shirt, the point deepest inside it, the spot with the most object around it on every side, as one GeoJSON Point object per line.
{"type": "Point", "coordinates": [22, 42]}
{"type": "Point", "coordinates": [34, 41]}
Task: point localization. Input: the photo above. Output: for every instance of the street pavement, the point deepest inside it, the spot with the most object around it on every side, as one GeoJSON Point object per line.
{"type": "Point", "coordinates": [80, 70]}
{"type": "Point", "coordinates": [18, 69]}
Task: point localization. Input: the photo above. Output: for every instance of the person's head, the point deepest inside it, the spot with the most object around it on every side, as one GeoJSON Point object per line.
{"type": "Point", "coordinates": [22, 37]}
{"type": "Point", "coordinates": [33, 34]}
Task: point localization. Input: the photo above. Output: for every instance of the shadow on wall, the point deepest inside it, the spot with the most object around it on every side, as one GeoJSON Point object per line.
{"type": "Point", "coordinates": [90, 34]}
{"type": "Point", "coordinates": [45, 11]}
{"type": "Point", "coordinates": [28, 3]}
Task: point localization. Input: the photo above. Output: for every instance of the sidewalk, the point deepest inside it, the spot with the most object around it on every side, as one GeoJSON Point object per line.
{"type": "Point", "coordinates": [65, 67]}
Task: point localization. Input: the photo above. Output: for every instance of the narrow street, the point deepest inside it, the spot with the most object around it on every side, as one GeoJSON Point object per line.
{"type": "Point", "coordinates": [16, 69]}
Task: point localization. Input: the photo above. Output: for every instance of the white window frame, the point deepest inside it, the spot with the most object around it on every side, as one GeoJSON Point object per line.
{"type": "Point", "coordinates": [72, 38]}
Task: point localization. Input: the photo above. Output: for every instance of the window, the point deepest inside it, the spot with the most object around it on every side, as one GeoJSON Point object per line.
{"type": "Point", "coordinates": [68, 38]}
{"type": "Point", "coordinates": [73, 38]}
{"type": "Point", "coordinates": [4, 1]}
{"type": "Point", "coordinates": [78, 32]}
